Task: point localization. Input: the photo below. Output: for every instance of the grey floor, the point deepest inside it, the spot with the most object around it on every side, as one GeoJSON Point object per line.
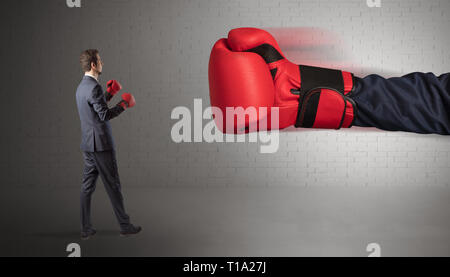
{"type": "Point", "coordinates": [297, 221]}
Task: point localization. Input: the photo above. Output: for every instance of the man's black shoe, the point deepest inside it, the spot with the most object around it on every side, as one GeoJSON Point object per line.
{"type": "Point", "coordinates": [131, 230]}
{"type": "Point", "coordinates": [86, 235]}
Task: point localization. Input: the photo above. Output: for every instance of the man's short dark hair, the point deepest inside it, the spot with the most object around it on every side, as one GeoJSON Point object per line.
{"type": "Point", "coordinates": [87, 57]}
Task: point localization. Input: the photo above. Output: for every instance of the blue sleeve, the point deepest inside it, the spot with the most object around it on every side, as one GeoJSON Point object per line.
{"type": "Point", "coordinates": [417, 102]}
{"type": "Point", "coordinates": [98, 102]}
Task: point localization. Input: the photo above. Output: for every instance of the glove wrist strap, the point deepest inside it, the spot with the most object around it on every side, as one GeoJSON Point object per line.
{"type": "Point", "coordinates": [327, 86]}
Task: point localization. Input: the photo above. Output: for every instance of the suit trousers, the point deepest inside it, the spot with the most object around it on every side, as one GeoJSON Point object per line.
{"type": "Point", "coordinates": [104, 164]}
{"type": "Point", "coordinates": [416, 102]}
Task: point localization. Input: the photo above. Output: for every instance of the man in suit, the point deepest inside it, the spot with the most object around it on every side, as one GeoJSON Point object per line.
{"type": "Point", "coordinates": [97, 142]}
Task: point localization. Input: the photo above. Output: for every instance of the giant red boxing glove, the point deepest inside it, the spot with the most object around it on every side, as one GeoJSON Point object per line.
{"type": "Point", "coordinates": [238, 80]}
{"type": "Point", "coordinates": [249, 70]}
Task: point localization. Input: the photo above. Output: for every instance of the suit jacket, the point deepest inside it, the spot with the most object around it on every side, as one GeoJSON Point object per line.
{"type": "Point", "coordinates": [96, 133]}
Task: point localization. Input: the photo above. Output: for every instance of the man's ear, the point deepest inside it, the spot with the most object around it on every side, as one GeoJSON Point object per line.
{"type": "Point", "coordinates": [93, 65]}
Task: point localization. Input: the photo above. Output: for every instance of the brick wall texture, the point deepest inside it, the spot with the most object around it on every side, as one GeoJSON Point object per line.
{"type": "Point", "coordinates": [159, 50]}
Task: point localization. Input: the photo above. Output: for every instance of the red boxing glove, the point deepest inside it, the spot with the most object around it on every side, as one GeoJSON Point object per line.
{"type": "Point", "coordinates": [128, 101]}
{"type": "Point", "coordinates": [249, 70]}
{"type": "Point", "coordinates": [112, 88]}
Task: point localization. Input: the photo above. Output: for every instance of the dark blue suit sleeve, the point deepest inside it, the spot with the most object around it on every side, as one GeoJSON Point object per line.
{"type": "Point", "coordinates": [98, 102]}
{"type": "Point", "coordinates": [417, 102]}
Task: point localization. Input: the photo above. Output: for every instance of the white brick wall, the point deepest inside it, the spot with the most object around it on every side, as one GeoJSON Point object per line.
{"type": "Point", "coordinates": [159, 50]}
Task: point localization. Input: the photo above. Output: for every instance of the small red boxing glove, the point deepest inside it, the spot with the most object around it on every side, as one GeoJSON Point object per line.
{"type": "Point", "coordinates": [128, 101]}
{"type": "Point", "coordinates": [112, 88]}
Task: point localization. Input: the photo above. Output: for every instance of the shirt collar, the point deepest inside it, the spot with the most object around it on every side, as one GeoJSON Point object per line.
{"type": "Point", "coordinates": [87, 74]}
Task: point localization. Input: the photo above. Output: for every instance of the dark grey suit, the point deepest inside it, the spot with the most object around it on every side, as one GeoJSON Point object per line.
{"type": "Point", "coordinates": [96, 134]}
{"type": "Point", "coordinates": [98, 149]}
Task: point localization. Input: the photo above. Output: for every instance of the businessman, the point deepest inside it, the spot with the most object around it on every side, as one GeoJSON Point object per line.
{"type": "Point", "coordinates": [97, 143]}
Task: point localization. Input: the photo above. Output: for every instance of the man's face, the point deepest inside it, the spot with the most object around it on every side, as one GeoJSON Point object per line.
{"type": "Point", "coordinates": [99, 67]}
